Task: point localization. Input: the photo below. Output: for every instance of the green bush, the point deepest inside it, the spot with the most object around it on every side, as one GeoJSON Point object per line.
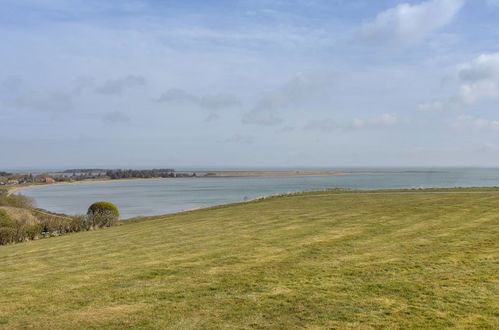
{"type": "Point", "coordinates": [102, 214]}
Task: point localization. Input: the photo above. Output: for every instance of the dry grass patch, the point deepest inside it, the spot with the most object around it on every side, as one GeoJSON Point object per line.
{"type": "Point", "coordinates": [23, 216]}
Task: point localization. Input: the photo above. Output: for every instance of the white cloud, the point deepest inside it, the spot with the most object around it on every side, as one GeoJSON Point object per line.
{"type": "Point", "coordinates": [477, 81]}
{"type": "Point", "coordinates": [467, 122]}
{"type": "Point", "coordinates": [484, 67]}
{"type": "Point", "coordinates": [477, 91]}
{"type": "Point", "coordinates": [409, 24]}
{"type": "Point", "coordinates": [479, 78]}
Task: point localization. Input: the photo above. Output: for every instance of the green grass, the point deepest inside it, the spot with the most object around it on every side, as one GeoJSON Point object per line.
{"type": "Point", "coordinates": [416, 259]}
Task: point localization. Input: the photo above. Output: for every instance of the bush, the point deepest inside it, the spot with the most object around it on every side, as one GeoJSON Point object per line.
{"type": "Point", "coordinates": [19, 230]}
{"type": "Point", "coordinates": [20, 201]}
{"type": "Point", "coordinates": [7, 235]}
{"type": "Point", "coordinates": [8, 228]}
{"type": "Point", "coordinates": [102, 214]}
{"type": "Point", "coordinates": [5, 220]}
{"type": "Point", "coordinates": [19, 225]}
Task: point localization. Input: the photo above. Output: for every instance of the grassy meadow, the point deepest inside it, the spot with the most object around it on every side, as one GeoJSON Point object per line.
{"type": "Point", "coordinates": [368, 260]}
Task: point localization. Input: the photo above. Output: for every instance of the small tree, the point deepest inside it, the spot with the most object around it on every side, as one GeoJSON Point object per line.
{"type": "Point", "coordinates": [103, 214]}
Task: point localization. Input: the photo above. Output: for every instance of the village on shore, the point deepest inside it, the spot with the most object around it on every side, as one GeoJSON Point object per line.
{"type": "Point", "coordinates": [76, 175]}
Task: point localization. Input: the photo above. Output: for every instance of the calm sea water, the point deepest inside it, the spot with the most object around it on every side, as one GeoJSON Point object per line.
{"type": "Point", "coordinates": [154, 197]}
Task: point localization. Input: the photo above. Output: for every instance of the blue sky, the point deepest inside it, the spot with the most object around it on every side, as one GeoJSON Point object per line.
{"type": "Point", "coordinates": [334, 83]}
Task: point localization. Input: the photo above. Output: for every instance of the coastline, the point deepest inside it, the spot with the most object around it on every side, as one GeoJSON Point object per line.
{"type": "Point", "coordinates": [13, 189]}
{"type": "Point", "coordinates": [218, 174]}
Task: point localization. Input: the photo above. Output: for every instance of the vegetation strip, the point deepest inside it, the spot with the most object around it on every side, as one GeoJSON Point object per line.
{"type": "Point", "coordinates": [20, 221]}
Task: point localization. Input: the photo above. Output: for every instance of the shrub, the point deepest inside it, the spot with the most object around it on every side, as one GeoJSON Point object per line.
{"type": "Point", "coordinates": [20, 201]}
{"type": "Point", "coordinates": [15, 227]}
{"type": "Point", "coordinates": [7, 235]}
{"type": "Point", "coordinates": [5, 220]}
{"type": "Point", "coordinates": [22, 224]}
{"type": "Point", "coordinates": [33, 232]}
{"type": "Point", "coordinates": [102, 214]}
{"type": "Point", "coordinates": [8, 228]}
{"type": "Point", "coordinates": [78, 223]}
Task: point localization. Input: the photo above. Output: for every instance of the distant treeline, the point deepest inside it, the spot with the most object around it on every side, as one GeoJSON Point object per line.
{"type": "Point", "coordinates": [85, 170]}
{"type": "Point", "coordinates": [154, 173]}
{"type": "Point", "coordinates": [5, 173]}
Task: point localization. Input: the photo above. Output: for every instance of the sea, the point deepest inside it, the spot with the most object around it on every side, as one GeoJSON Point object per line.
{"type": "Point", "coordinates": [154, 197]}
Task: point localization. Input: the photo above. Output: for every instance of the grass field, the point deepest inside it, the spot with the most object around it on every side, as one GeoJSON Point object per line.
{"type": "Point", "coordinates": [425, 259]}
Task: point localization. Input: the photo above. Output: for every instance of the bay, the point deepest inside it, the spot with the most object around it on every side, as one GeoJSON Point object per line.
{"type": "Point", "coordinates": [153, 197]}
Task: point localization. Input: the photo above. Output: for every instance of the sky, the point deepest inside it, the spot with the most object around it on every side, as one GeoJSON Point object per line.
{"type": "Point", "coordinates": [260, 83]}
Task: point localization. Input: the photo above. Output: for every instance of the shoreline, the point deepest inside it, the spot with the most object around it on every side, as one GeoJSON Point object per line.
{"type": "Point", "coordinates": [13, 189]}
{"type": "Point", "coordinates": [336, 192]}
{"type": "Point", "coordinates": [322, 192]}
{"type": "Point", "coordinates": [220, 174]}
{"type": "Point", "coordinates": [223, 174]}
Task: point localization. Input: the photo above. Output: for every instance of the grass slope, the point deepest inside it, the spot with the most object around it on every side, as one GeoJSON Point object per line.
{"type": "Point", "coordinates": [360, 260]}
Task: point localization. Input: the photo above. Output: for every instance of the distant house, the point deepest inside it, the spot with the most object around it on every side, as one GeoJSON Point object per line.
{"type": "Point", "coordinates": [48, 180]}
{"type": "Point", "coordinates": [13, 181]}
